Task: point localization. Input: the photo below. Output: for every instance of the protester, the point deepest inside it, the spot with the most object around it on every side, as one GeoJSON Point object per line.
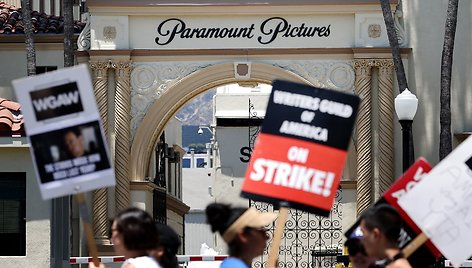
{"type": "Point", "coordinates": [381, 226]}
{"type": "Point", "coordinates": [243, 231]}
{"type": "Point", "coordinates": [356, 251]}
{"type": "Point", "coordinates": [169, 243]}
{"type": "Point", "coordinates": [134, 236]}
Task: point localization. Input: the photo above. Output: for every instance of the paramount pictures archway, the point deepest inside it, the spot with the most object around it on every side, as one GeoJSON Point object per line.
{"type": "Point", "coordinates": [135, 138]}
{"type": "Point", "coordinates": [176, 96]}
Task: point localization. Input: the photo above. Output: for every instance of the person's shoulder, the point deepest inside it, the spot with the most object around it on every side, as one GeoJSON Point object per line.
{"type": "Point", "coordinates": [141, 262]}
{"type": "Point", "coordinates": [400, 263]}
{"type": "Point", "coordinates": [233, 263]}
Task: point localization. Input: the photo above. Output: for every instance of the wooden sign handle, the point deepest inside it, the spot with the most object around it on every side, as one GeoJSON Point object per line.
{"type": "Point", "coordinates": [279, 229]}
{"type": "Point", "coordinates": [88, 228]}
{"type": "Point", "coordinates": [414, 244]}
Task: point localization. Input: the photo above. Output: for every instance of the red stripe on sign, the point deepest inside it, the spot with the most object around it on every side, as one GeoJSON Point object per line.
{"type": "Point", "coordinates": [294, 170]}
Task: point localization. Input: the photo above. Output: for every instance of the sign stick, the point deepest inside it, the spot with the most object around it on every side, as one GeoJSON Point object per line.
{"type": "Point", "coordinates": [414, 244]}
{"type": "Point", "coordinates": [88, 228]}
{"type": "Point", "coordinates": [279, 229]}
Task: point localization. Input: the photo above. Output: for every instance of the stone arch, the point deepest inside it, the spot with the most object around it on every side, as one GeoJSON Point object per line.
{"type": "Point", "coordinates": [177, 95]}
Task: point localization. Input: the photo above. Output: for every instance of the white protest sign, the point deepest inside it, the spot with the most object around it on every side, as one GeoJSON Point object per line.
{"type": "Point", "coordinates": [441, 204]}
{"type": "Point", "coordinates": [64, 130]}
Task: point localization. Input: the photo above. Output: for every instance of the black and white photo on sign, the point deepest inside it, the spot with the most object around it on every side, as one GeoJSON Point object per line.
{"type": "Point", "coordinates": [69, 152]}
{"type": "Point", "coordinates": [63, 126]}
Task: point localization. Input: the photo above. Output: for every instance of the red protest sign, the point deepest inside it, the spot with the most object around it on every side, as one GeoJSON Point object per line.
{"type": "Point", "coordinates": [410, 178]}
{"type": "Point", "coordinates": [301, 150]}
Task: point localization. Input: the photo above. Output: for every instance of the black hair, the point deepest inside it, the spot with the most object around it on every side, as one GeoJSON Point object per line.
{"type": "Point", "coordinates": [170, 241]}
{"type": "Point", "coordinates": [354, 246]}
{"type": "Point", "coordinates": [386, 219]}
{"type": "Point", "coordinates": [220, 217]}
{"type": "Point", "coordinates": [138, 229]}
{"type": "Point", "coordinates": [74, 130]}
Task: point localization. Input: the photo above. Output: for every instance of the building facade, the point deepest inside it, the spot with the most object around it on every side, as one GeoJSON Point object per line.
{"type": "Point", "coordinates": [149, 58]}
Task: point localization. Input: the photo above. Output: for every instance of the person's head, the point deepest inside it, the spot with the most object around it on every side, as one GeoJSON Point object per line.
{"type": "Point", "coordinates": [381, 226]}
{"type": "Point", "coordinates": [74, 142]}
{"type": "Point", "coordinates": [134, 233]}
{"type": "Point", "coordinates": [356, 251]}
{"type": "Point", "coordinates": [169, 243]}
{"type": "Point", "coordinates": [241, 228]}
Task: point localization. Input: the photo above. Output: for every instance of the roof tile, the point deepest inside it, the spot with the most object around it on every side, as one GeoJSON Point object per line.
{"type": "Point", "coordinates": [11, 22]}
{"type": "Point", "coordinates": [11, 119]}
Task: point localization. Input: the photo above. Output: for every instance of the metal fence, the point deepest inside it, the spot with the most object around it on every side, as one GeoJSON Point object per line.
{"type": "Point", "coordinates": [308, 240]}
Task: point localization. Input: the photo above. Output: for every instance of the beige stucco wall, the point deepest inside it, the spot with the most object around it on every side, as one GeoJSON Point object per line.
{"type": "Point", "coordinates": [13, 63]}
{"type": "Point", "coordinates": [425, 24]}
{"type": "Point", "coordinates": [17, 159]}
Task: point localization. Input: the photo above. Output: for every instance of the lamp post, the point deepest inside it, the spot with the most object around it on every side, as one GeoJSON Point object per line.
{"type": "Point", "coordinates": [211, 146]}
{"type": "Point", "coordinates": [406, 104]}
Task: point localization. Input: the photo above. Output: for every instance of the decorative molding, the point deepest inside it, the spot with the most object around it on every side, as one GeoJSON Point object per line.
{"type": "Point", "coordinates": [370, 30]}
{"type": "Point", "coordinates": [100, 86]}
{"type": "Point", "coordinates": [122, 133]}
{"type": "Point", "coordinates": [100, 216]}
{"type": "Point", "coordinates": [345, 185]}
{"type": "Point", "coordinates": [145, 186]}
{"type": "Point", "coordinates": [337, 75]}
{"type": "Point", "coordinates": [150, 80]}
{"type": "Point", "coordinates": [176, 205]}
{"type": "Point", "coordinates": [100, 196]}
{"type": "Point", "coordinates": [386, 112]}
{"type": "Point", "coordinates": [201, 80]}
{"type": "Point", "coordinates": [399, 28]}
{"type": "Point", "coordinates": [374, 30]}
{"type": "Point", "coordinates": [363, 69]}
{"type": "Point", "coordinates": [83, 42]}
{"type": "Point", "coordinates": [109, 33]}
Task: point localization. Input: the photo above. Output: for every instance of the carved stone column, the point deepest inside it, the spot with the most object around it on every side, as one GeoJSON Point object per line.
{"type": "Point", "coordinates": [363, 69]}
{"type": "Point", "coordinates": [100, 196]}
{"type": "Point", "coordinates": [386, 111]}
{"type": "Point", "coordinates": [123, 133]}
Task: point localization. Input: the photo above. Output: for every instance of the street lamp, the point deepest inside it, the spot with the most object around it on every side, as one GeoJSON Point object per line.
{"type": "Point", "coordinates": [406, 104]}
{"type": "Point", "coordinates": [209, 146]}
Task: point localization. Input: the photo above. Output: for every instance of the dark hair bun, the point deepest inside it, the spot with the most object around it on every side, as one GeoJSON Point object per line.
{"type": "Point", "coordinates": [217, 216]}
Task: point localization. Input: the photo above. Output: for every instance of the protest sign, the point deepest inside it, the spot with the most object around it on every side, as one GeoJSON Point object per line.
{"type": "Point", "coordinates": [440, 204]}
{"type": "Point", "coordinates": [427, 254]}
{"type": "Point", "coordinates": [63, 126]}
{"type": "Point", "coordinates": [302, 147]}
{"type": "Point", "coordinates": [410, 178]}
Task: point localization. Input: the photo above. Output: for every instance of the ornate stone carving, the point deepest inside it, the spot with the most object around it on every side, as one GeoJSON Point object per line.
{"type": "Point", "coordinates": [374, 30]}
{"type": "Point", "coordinates": [100, 86]}
{"type": "Point", "coordinates": [401, 33]}
{"type": "Point", "coordinates": [341, 76]}
{"type": "Point", "coordinates": [122, 132]}
{"type": "Point", "coordinates": [100, 196]}
{"type": "Point", "coordinates": [386, 112]}
{"type": "Point", "coordinates": [149, 81]}
{"type": "Point", "coordinates": [337, 75]}
{"type": "Point", "coordinates": [363, 70]}
{"type": "Point", "coordinates": [109, 33]}
{"type": "Point", "coordinates": [83, 42]}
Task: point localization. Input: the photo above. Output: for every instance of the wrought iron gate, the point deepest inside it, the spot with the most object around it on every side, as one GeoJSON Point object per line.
{"type": "Point", "coordinates": [309, 240]}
